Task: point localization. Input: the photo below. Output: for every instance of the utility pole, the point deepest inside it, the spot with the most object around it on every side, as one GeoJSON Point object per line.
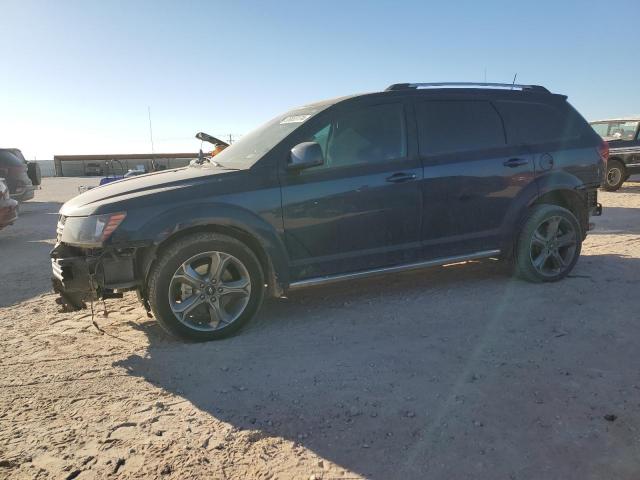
{"type": "Point", "coordinates": [150, 129]}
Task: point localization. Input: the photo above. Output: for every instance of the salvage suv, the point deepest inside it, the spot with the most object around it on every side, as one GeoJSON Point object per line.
{"type": "Point", "coordinates": [415, 176]}
{"type": "Point", "coordinates": [623, 137]}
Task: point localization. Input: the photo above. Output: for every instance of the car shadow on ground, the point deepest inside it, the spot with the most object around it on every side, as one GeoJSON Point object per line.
{"type": "Point", "coordinates": [368, 374]}
{"type": "Point", "coordinates": [25, 246]}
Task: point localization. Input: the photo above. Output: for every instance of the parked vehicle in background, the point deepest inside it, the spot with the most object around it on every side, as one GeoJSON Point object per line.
{"type": "Point", "coordinates": [623, 137]}
{"type": "Point", "coordinates": [93, 169]}
{"type": "Point", "coordinates": [16, 172]}
{"type": "Point", "coordinates": [8, 206]}
{"type": "Point", "coordinates": [134, 172]}
{"type": "Point", "coordinates": [415, 176]}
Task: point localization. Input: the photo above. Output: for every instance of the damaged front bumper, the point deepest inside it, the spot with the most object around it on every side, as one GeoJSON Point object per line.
{"type": "Point", "coordinates": [85, 275]}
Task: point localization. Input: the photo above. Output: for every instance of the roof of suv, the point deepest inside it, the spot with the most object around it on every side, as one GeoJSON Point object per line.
{"type": "Point", "coordinates": [467, 85]}
{"type": "Point", "coordinates": [442, 88]}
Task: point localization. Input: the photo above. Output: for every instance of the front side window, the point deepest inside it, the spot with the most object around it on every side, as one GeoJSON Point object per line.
{"type": "Point", "coordinates": [371, 134]}
{"type": "Point", "coordinates": [450, 126]}
{"type": "Point", "coordinates": [616, 130]}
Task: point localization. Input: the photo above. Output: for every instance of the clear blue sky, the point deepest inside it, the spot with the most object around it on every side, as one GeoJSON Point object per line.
{"type": "Point", "coordinates": [77, 76]}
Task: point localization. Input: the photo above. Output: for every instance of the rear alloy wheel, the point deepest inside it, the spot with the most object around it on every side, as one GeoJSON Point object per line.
{"type": "Point", "coordinates": [549, 244]}
{"type": "Point", "coordinates": [615, 177]}
{"type": "Point", "coordinates": [205, 287]}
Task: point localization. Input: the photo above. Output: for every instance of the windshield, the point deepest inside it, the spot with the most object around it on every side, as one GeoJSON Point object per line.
{"type": "Point", "coordinates": [616, 130]}
{"type": "Point", "coordinates": [252, 146]}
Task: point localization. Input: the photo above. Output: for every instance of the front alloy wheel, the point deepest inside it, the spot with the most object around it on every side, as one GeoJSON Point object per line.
{"type": "Point", "coordinates": [205, 286]}
{"type": "Point", "coordinates": [209, 291]}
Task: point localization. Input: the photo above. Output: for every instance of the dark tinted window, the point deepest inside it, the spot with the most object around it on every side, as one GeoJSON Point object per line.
{"type": "Point", "coordinates": [366, 135]}
{"type": "Point", "coordinates": [528, 123]}
{"type": "Point", "coordinates": [458, 126]}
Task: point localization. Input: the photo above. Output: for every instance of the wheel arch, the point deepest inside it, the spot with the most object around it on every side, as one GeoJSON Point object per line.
{"type": "Point", "coordinates": [565, 190]}
{"type": "Point", "coordinates": [567, 194]}
{"type": "Point", "coordinates": [615, 158]}
{"type": "Point", "coordinates": [232, 221]}
{"type": "Point", "coordinates": [566, 198]}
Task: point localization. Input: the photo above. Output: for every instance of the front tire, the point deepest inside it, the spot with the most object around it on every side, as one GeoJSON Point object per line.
{"type": "Point", "coordinates": [205, 286]}
{"type": "Point", "coordinates": [549, 244]}
{"type": "Point", "coordinates": [615, 176]}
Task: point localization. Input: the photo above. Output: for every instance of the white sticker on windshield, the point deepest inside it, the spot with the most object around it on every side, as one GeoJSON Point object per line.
{"type": "Point", "coordinates": [294, 119]}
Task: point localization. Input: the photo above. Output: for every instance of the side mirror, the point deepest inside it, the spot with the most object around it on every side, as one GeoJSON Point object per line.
{"type": "Point", "coordinates": [305, 155]}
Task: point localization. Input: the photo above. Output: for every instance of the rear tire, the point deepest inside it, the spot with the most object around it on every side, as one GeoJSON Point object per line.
{"type": "Point", "coordinates": [549, 244]}
{"type": "Point", "coordinates": [615, 176]}
{"type": "Point", "coordinates": [185, 273]}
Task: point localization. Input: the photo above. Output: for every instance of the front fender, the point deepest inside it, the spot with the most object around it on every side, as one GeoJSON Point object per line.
{"type": "Point", "coordinates": [184, 218]}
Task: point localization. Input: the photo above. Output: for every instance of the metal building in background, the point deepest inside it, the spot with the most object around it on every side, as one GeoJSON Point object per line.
{"type": "Point", "coordinates": [117, 164]}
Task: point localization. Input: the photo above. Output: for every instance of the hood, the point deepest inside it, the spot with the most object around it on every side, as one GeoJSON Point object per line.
{"type": "Point", "coordinates": [99, 199]}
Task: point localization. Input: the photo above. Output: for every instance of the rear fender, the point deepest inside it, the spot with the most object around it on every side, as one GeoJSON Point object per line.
{"type": "Point", "coordinates": [561, 184]}
{"type": "Point", "coordinates": [568, 191]}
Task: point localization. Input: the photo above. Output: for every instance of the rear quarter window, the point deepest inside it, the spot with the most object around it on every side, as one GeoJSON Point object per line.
{"type": "Point", "coordinates": [532, 123]}
{"type": "Point", "coordinates": [450, 126]}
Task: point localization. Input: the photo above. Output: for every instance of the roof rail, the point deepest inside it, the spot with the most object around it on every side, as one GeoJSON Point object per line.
{"type": "Point", "coordinates": [499, 86]}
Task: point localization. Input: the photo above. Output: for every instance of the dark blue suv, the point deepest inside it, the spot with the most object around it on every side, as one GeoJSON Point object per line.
{"type": "Point", "coordinates": [417, 175]}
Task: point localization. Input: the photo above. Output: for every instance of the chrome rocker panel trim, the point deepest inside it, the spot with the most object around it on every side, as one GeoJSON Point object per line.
{"type": "Point", "coordinates": [311, 282]}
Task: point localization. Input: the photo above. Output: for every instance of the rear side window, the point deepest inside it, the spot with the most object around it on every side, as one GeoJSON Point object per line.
{"type": "Point", "coordinates": [531, 122]}
{"type": "Point", "coordinates": [449, 126]}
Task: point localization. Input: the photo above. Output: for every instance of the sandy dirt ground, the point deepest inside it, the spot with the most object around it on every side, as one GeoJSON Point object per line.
{"type": "Point", "coordinates": [459, 372]}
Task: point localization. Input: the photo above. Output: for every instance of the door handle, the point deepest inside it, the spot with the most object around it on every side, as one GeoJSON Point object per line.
{"type": "Point", "coordinates": [401, 177]}
{"type": "Point", "coordinates": [515, 162]}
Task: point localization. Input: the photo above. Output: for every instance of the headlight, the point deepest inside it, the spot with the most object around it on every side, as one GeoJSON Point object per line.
{"type": "Point", "coordinates": [91, 231]}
